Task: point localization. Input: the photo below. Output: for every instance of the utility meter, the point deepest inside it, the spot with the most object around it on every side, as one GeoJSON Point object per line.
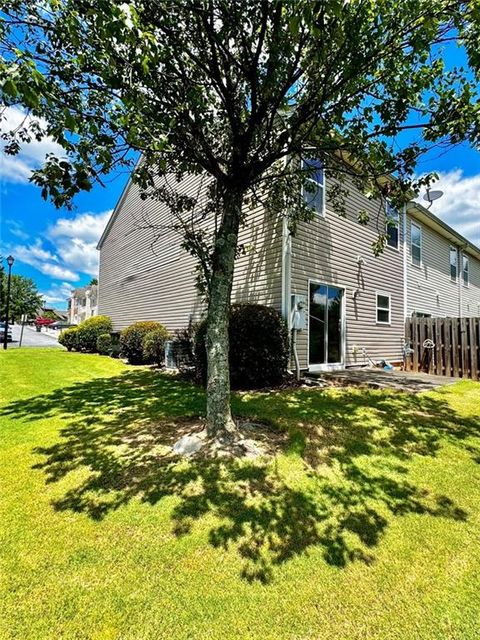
{"type": "Point", "coordinates": [299, 312]}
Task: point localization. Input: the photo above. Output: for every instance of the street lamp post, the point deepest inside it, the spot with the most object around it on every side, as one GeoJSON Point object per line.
{"type": "Point", "coordinates": [10, 261]}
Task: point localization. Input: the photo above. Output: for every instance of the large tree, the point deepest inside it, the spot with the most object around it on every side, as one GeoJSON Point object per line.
{"type": "Point", "coordinates": [240, 91]}
{"type": "Point", "coordinates": [24, 296]}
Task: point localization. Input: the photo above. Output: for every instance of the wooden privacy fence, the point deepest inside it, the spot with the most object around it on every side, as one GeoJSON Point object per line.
{"type": "Point", "coordinates": [444, 346]}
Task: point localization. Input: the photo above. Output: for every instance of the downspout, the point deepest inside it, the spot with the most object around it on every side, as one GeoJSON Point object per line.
{"type": "Point", "coordinates": [286, 272]}
{"type": "Point", "coordinates": [405, 266]}
{"type": "Point", "coordinates": [460, 282]}
{"type": "Point", "coordinates": [286, 290]}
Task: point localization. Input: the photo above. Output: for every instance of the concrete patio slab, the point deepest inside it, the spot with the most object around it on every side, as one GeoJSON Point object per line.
{"type": "Point", "coordinates": [379, 379]}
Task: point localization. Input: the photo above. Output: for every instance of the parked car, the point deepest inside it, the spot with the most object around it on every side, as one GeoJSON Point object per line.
{"type": "Point", "coordinates": [2, 333]}
{"type": "Point", "coordinates": [61, 324]}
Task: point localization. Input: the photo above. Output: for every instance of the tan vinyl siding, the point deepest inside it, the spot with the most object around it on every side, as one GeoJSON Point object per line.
{"type": "Point", "coordinates": [471, 294]}
{"type": "Point", "coordinates": [327, 250]}
{"type": "Point", "coordinates": [144, 277]}
{"type": "Point", "coordinates": [430, 288]}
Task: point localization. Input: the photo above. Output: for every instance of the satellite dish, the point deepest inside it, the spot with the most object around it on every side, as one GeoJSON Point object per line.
{"type": "Point", "coordinates": [431, 196]}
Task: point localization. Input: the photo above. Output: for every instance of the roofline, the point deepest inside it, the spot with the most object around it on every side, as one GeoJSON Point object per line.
{"type": "Point", "coordinates": [443, 228]}
{"type": "Point", "coordinates": [412, 206]}
{"type": "Point", "coordinates": [117, 207]}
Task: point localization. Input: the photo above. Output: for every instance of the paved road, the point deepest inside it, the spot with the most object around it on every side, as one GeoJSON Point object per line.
{"type": "Point", "coordinates": [32, 338]}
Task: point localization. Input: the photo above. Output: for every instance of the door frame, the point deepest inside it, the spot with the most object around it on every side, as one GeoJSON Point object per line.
{"type": "Point", "coordinates": [330, 366]}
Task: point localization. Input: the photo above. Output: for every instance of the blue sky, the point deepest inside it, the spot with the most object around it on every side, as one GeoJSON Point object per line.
{"type": "Point", "coordinates": [56, 248]}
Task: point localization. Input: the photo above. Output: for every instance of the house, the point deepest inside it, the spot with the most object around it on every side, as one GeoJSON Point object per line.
{"type": "Point", "coordinates": [83, 303]}
{"type": "Point", "coordinates": [54, 314]}
{"type": "Point", "coordinates": [352, 305]}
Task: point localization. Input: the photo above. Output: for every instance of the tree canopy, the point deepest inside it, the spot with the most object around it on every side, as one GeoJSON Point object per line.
{"type": "Point", "coordinates": [24, 296]}
{"type": "Point", "coordinates": [240, 91]}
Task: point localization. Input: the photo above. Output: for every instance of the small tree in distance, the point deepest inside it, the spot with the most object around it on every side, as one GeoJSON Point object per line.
{"type": "Point", "coordinates": [240, 92]}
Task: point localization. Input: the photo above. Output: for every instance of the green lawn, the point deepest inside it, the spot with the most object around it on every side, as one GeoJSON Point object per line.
{"type": "Point", "coordinates": [366, 524]}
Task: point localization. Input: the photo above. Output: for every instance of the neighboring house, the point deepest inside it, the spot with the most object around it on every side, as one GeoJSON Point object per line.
{"type": "Point", "coordinates": [83, 304]}
{"type": "Point", "coordinates": [58, 314]}
{"type": "Point", "coordinates": [354, 303]}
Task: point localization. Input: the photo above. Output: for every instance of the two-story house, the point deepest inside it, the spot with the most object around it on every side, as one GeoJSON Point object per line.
{"type": "Point", "coordinates": [83, 303]}
{"type": "Point", "coordinates": [354, 303]}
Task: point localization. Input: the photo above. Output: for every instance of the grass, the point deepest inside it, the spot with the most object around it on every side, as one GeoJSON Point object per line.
{"type": "Point", "coordinates": [366, 525]}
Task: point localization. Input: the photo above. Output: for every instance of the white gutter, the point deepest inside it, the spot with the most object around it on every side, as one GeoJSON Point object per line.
{"type": "Point", "coordinates": [460, 281]}
{"type": "Point", "coordinates": [405, 266]}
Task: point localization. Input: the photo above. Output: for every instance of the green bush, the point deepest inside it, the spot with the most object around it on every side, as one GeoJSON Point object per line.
{"type": "Point", "coordinates": [259, 347]}
{"type": "Point", "coordinates": [183, 348]}
{"type": "Point", "coordinates": [89, 330]}
{"type": "Point", "coordinates": [116, 349]}
{"type": "Point", "coordinates": [104, 344]}
{"type": "Point", "coordinates": [131, 340]}
{"type": "Point", "coordinates": [154, 345]}
{"type": "Point", "coordinates": [68, 338]}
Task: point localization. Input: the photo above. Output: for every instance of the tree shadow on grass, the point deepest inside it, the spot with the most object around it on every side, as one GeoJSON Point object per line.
{"type": "Point", "coordinates": [343, 478]}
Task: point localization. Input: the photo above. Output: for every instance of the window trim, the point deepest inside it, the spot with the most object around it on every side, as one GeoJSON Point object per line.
{"type": "Point", "coordinates": [453, 248]}
{"type": "Point", "coordinates": [389, 309]}
{"type": "Point", "coordinates": [321, 213]}
{"type": "Point", "coordinates": [387, 205]}
{"type": "Point", "coordinates": [415, 224]}
{"type": "Point", "coordinates": [467, 283]}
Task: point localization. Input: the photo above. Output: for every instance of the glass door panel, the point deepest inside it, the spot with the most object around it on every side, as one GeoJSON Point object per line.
{"type": "Point", "coordinates": [325, 324]}
{"type": "Point", "coordinates": [334, 325]}
{"type": "Point", "coordinates": [317, 323]}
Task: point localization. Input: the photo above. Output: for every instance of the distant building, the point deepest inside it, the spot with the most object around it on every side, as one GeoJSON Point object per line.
{"type": "Point", "coordinates": [50, 312]}
{"type": "Point", "coordinates": [83, 304]}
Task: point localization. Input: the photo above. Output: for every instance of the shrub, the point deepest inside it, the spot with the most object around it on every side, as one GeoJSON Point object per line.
{"type": "Point", "coordinates": [68, 338]}
{"type": "Point", "coordinates": [259, 347]}
{"type": "Point", "coordinates": [131, 340]}
{"type": "Point", "coordinates": [104, 344]}
{"type": "Point", "coordinates": [116, 348]}
{"type": "Point", "coordinates": [89, 330]}
{"type": "Point", "coordinates": [154, 345]}
{"type": "Point", "coordinates": [183, 348]}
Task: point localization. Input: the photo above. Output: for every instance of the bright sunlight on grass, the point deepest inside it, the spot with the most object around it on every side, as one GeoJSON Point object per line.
{"type": "Point", "coordinates": [365, 525]}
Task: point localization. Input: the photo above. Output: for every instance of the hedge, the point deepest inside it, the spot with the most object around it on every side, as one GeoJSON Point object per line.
{"type": "Point", "coordinates": [154, 345]}
{"type": "Point", "coordinates": [131, 340]}
{"type": "Point", "coordinates": [104, 344]}
{"type": "Point", "coordinates": [68, 338]}
{"type": "Point", "coordinates": [89, 330]}
{"type": "Point", "coordinates": [259, 347]}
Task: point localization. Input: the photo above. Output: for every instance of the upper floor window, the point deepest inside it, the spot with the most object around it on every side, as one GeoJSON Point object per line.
{"type": "Point", "coordinates": [453, 263]}
{"type": "Point", "coordinates": [416, 244]}
{"type": "Point", "coordinates": [383, 308]}
{"type": "Point", "coordinates": [466, 271]}
{"type": "Point", "coordinates": [392, 225]}
{"type": "Point", "coordinates": [313, 191]}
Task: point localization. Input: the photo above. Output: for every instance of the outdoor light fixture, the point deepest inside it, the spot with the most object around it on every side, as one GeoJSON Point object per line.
{"type": "Point", "coordinates": [10, 261]}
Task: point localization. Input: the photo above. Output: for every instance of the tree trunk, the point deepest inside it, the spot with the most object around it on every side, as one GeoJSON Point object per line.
{"type": "Point", "coordinates": [220, 424]}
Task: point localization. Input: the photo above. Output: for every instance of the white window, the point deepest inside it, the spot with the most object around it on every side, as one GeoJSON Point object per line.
{"type": "Point", "coordinates": [466, 271]}
{"type": "Point", "coordinates": [313, 191]}
{"type": "Point", "coordinates": [392, 226]}
{"type": "Point", "coordinates": [453, 263]}
{"type": "Point", "coordinates": [416, 244]}
{"type": "Point", "coordinates": [383, 308]}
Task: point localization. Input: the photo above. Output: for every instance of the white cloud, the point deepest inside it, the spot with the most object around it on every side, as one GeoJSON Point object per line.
{"type": "Point", "coordinates": [43, 260]}
{"type": "Point", "coordinates": [18, 168]}
{"type": "Point", "coordinates": [76, 240]}
{"type": "Point", "coordinates": [16, 229]}
{"type": "Point", "coordinates": [460, 204]}
{"type": "Point", "coordinates": [86, 226]}
{"type": "Point", "coordinates": [71, 249]}
{"type": "Point", "coordinates": [58, 293]}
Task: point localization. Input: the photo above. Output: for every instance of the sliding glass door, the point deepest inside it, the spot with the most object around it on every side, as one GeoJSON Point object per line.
{"type": "Point", "coordinates": [325, 325]}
